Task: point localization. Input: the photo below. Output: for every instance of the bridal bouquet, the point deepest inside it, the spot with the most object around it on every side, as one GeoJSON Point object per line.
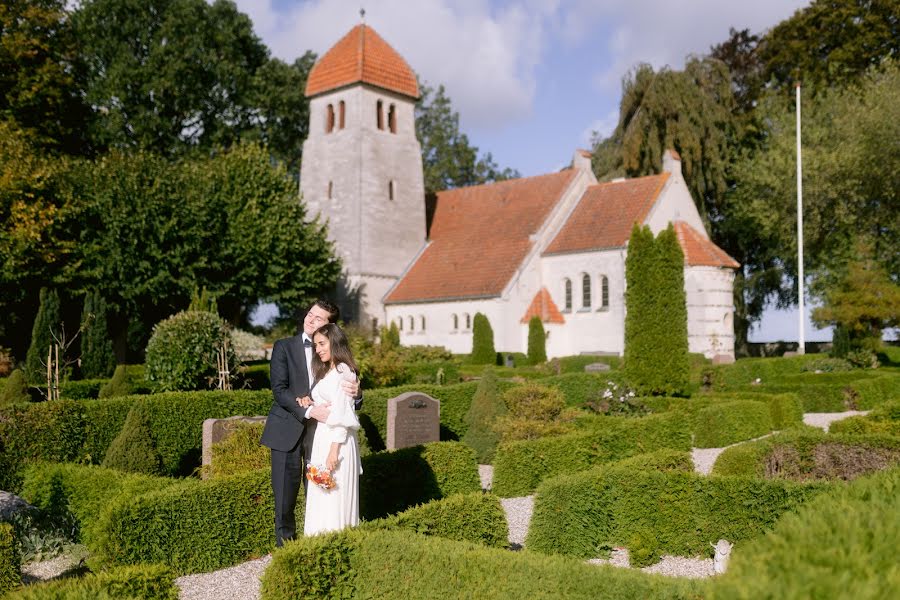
{"type": "Point", "coordinates": [320, 477]}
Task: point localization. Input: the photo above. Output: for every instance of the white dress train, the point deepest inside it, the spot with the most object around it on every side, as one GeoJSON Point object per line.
{"type": "Point", "coordinates": [337, 508]}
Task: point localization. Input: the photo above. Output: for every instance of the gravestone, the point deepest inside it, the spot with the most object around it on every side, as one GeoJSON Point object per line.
{"type": "Point", "coordinates": [216, 430]}
{"type": "Point", "coordinates": [413, 418]}
{"type": "Point", "coordinates": [597, 367]}
{"type": "Point", "coordinates": [723, 359]}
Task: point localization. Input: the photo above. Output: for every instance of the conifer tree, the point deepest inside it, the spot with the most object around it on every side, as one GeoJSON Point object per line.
{"type": "Point", "coordinates": [537, 341]}
{"type": "Point", "coordinates": [486, 406]}
{"type": "Point", "coordinates": [98, 360]}
{"type": "Point", "coordinates": [483, 352]}
{"type": "Point", "coordinates": [48, 317]}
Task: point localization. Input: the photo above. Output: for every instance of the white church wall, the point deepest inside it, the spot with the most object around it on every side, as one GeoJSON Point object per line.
{"type": "Point", "coordinates": [674, 204]}
{"type": "Point", "coordinates": [439, 324]}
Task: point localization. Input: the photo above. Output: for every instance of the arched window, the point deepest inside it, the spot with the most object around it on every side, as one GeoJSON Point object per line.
{"type": "Point", "coordinates": [412, 324]}
{"type": "Point", "coordinates": [379, 117]}
{"type": "Point", "coordinates": [455, 322]}
{"type": "Point", "coordinates": [604, 292]}
{"type": "Point", "coordinates": [422, 320]}
{"type": "Point", "coordinates": [568, 294]}
{"type": "Point", "coordinates": [330, 190]}
{"type": "Point", "coordinates": [468, 322]}
{"type": "Point", "coordinates": [329, 119]}
{"type": "Point", "coordinates": [585, 291]}
{"type": "Point", "coordinates": [392, 119]}
{"type": "Point", "coordinates": [400, 323]}
{"type": "Point", "coordinates": [342, 109]}
{"type": "Point", "coordinates": [391, 189]}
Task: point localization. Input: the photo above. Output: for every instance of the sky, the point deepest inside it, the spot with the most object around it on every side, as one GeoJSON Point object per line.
{"type": "Point", "coordinates": [532, 80]}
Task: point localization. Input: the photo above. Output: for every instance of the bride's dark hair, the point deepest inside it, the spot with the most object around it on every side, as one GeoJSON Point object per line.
{"type": "Point", "coordinates": [340, 351]}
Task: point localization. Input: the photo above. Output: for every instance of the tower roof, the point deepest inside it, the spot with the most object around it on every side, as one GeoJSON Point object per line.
{"type": "Point", "coordinates": [362, 56]}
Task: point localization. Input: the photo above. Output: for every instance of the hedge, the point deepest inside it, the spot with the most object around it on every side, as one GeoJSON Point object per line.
{"type": "Point", "coordinates": [148, 582]}
{"type": "Point", "coordinates": [746, 370]}
{"type": "Point", "coordinates": [809, 453]}
{"type": "Point", "coordinates": [884, 420]}
{"type": "Point", "coordinates": [653, 512]}
{"type": "Point", "coordinates": [578, 388]}
{"type": "Point", "coordinates": [725, 423]}
{"type": "Point", "coordinates": [405, 566]}
{"type": "Point", "coordinates": [520, 466]}
{"type": "Point", "coordinates": [838, 545]}
{"type": "Point", "coordinates": [10, 562]}
{"type": "Point", "coordinates": [858, 394]}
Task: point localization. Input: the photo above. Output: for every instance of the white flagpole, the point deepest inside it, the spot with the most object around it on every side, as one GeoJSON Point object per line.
{"type": "Point", "coordinates": [801, 345]}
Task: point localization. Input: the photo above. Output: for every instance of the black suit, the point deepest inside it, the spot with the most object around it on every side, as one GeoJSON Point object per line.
{"type": "Point", "coordinates": [284, 430]}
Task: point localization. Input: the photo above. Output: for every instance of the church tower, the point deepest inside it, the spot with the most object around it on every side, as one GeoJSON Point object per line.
{"type": "Point", "coordinates": [362, 167]}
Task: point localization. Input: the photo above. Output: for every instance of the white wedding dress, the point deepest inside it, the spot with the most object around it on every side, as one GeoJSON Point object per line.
{"type": "Point", "coordinates": [337, 508]}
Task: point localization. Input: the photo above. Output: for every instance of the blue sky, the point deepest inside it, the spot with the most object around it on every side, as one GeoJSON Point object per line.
{"type": "Point", "coordinates": [531, 80]}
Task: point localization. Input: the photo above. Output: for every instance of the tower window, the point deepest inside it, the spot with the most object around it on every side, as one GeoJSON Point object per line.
{"type": "Point", "coordinates": [342, 109]}
{"type": "Point", "coordinates": [329, 119]}
{"type": "Point", "coordinates": [391, 189]}
{"type": "Point", "coordinates": [379, 117]}
{"type": "Point", "coordinates": [392, 119]}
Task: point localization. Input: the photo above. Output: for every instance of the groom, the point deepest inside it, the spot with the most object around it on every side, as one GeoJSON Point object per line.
{"type": "Point", "coordinates": [290, 427]}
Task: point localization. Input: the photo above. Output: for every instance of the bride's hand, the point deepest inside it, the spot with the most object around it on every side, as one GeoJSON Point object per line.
{"type": "Point", "coordinates": [331, 463]}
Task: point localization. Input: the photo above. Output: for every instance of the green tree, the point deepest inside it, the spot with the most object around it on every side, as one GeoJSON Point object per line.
{"type": "Point", "coordinates": [14, 389]}
{"type": "Point", "coordinates": [448, 159]}
{"type": "Point", "coordinates": [98, 360]}
{"type": "Point", "coordinates": [537, 342]}
{"type": "Point", "coordinates": [486, 406]}
{"type": "Point", "coordinates": [134, 449]}
{"type": "Point", "coordinates": [46, 324]}
{"type": "Point", "coordinates": [483, 352]}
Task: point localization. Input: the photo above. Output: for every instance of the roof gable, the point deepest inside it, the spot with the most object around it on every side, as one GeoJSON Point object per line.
{"type": "Point", "coordinates": [700, 251]}
{"type": "Point", "coordinates": [544, 308]}
{"type": "Point", "coordinates": [362, 56]}
{"type": "Point", "coordinates": [606, 213]}
{"type": "Point", "coordinates": [479, 237]}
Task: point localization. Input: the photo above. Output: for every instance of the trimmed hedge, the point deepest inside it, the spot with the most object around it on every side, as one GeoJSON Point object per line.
{"type": "Point", "coordinates": [654, 512]}
{"type": "Point", "coordinates": [148, 582]}
{"type": "Point", "coordinates": [746, 370]}
{"type": "Point", "coordinates": [10, 562]}
{"type": "Point", "coordinates": [520, 466]}
{"type": "Point", "coordinates": [669, 461]}
{"type": "Point", "coordinates": [884, 420]}
{"type": "Point", "coordinates": [404, 566]}
{"type": "Point", "coordinates": [838, 545]}
{"type": "Point", "coordinates": [725, 423]}
{"type": "Point", "coordinates": [808, 453]}
{"type": "Point", "coordinates": [473, 517]}
{"type": "Point", "coordinates": [578, 388]}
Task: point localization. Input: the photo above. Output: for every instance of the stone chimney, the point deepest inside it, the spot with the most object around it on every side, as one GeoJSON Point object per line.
{"type": "Point", "coordinates": [582, 160]}
{"type": "Point", "coordinates": [671, 162]}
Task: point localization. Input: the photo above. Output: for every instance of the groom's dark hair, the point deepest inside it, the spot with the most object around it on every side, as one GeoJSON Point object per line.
{"type": "Point", "coordinates": [331, 308]}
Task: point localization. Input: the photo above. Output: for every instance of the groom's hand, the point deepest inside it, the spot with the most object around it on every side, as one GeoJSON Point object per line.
{"type": "Point", "coordinates": [350, 387]}
{"type": "Point", "coordinates": [320, 412]}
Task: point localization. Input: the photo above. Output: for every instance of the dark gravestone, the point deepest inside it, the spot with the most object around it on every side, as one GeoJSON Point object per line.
{"type": "Point", "coordinates": [413, 418]}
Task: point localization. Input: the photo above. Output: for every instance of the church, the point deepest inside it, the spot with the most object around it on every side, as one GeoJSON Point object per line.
{"type": "Point", "coordinates": [551, 246]}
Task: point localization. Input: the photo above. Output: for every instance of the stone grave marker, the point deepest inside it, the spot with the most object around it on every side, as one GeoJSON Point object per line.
{"type": "Point", "coordinates": [216, 430]}
{"type": "Point", "coordinates": [413, 418]}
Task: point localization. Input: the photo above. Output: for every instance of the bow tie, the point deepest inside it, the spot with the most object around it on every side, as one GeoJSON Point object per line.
{"type": "Point", "coordinates": [307, 343]}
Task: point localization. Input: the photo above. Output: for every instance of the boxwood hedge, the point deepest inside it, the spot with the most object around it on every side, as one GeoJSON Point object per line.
{"type": "Point", "coordinates": [148, 582]}
{"type": "Point", "coordinates": [10, 564]}
{"type": "Point", "coordinates": [520, 466]}
{"type": "Point", "coordinates": [884, 420]}
{"type": "Point", "coordinates": [725, 423]}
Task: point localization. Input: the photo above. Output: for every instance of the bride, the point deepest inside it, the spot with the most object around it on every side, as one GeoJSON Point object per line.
{"type": "Point", "coordinates": [334, 445]}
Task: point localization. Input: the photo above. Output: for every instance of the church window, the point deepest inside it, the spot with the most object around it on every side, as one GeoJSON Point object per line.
{"type": "Point", "coordinates": [455, 322]}
{"type": "Point", "coordinates": [585, 291]}
{"type": "Point", "coordinates": [568, 292]}
{"type": "Point", "coordinates": [379, 117]}
{"type": "Point", "coordinates": [604, 293]}
{"type": "Point", "coordinates": [468, 322]}
{"type": "Point", "coordinates": [392, 119]}
{"type": "Point", "coordinates": [400, 321]}
{"type": "Point", "coordinates": [329, 119]}
{"type": "Point", "coordinates": [422, 321]}
{"type": "Point", "coordinates": [330, 190]}
{"type": "Point", "coordinates": [412, 324]}
{"type": "Point", "coordinates": [391, 189]}
{"type": "Point", "coordinates": [342, 109]}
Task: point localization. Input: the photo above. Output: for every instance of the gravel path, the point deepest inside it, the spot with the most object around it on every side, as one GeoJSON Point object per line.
{"type": "Point", "coordinates": [824, 420]}
{"type": "Point", "coordinates": [518, 516]}
{"type": "Point", "coordinates": [240, 581]}
{"type": "Point", "coordinates": [486, 473]}
{"type": "Point", "coordinates": [673, 566]}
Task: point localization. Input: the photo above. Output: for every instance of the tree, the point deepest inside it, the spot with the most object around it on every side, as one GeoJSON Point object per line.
{"type": "Point", "coordinates": [740, 53]}
{"type": "Point", "coordinates": [448, 160]}
{"type": "Point", "coordinates": [98, 360]}
{"type": "Point", "coordinates": [537, 342]}
{"type": "Point", "coordinates": [486, 406]}
{"type": "Point", "coordinates": [483, 352]}
{"type": "Point", "coordinates": [45, 324]}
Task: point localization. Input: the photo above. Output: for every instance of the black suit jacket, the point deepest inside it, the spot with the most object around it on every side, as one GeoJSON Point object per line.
{"type": "Point", "coordinates": [290, 380]}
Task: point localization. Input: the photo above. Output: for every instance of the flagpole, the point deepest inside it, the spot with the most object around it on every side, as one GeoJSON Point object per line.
{"type": "Point", "coordinates": [801, 345]}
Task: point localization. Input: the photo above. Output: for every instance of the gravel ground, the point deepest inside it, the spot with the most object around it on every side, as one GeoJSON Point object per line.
{"type": "Point", "coordinates": [486, 473]}
{"type": "Point", "coordinates": [673, 566]}
{"type": "Point", "coordinates": [240, 581]}
{"type": "Point", "coordinates": [48, 569]}
{"type": "Point", "coordinates": [824, 420]}
{"type": "Point", "coordinates": [518, 516]}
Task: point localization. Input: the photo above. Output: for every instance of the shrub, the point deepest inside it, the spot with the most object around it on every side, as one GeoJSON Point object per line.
{"type": "Point", "coordinates": [98, 360]}
{"type": "Point", "coordinates": [534, 412]}
{"type": "Point", "coordinates": [366, 564]}
{"type": "Point", "coordinates": [181, 353]}
{"type": "Point", "coordinates": [836, 545]}
{"type": "Point", "coordinates": [239, 452]}
{"type": "Point", "coordinates": [148, 582]}
{"type": "Point", "coordinates": [247, 346]}
{"type": "Point", "coordinates": [10, 567]}
{"type": "Point", "coordinates": [665, 460]}
{"type": "Point", "coordinates": [15, 389]}
{"type": "Point", "coordinates": [119, 385]}
{"type": "Point", "coordinates": [725, 423]}
{"type": "Point", "coordinates": [537, 343]}
{"type": "Point", "coordinates": [486, 407]}
{"type": "Point", "coordinates": [483, 352]}
{"type": "Point", "coordinates": [134, 449]}
{"type": "Point", "coordinates": [827, 365]}
{"type": "Point", "coordinates": [883, 420]}
{"type": "Point", "coordinates": [663, 513]}
{"type": "Point", "coordinates": [520, 466]}
{"type": "Point", "coordinates": [48, 317]}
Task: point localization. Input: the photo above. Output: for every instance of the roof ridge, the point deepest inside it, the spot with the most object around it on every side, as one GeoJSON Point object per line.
{"type": "Point", "coordinates": [567, 171]}
{"type": "Point", "coordinates": [362, 50]}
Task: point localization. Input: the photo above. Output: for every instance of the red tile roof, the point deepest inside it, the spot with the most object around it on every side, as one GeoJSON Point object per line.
{"type": "Point", "coordinates": [606, 213]}
{"type": "Point", "coordinates": [544, 307]}
{"type": "Point", "coordinates": [362, 56]}
{"type": "Point", "coordinates": [479, 237]}
{"type": "Point", "coordinates": [699, 250]}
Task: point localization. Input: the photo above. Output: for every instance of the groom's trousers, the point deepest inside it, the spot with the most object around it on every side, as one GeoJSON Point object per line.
{"type": "Point", "coordinates": [286, 478]}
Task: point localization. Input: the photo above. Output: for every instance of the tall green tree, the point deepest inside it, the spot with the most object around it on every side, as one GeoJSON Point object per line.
{"type": "Point", "coordinates": [98, 359]}
{"type": "Point", "coordinates": [46, 324]}
{"type": "Point", "coordinates": [537, 341]}
{"type": "Point", "coordinates": [486, 406]}
{"type": "Point", "coordinates": [448, 159]}
{"type": "Point", "coordinates": [483, 352]}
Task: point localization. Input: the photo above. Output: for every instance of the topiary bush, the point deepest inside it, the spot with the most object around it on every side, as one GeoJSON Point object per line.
{"type": "Point", "coordinates": [534, 411]}
{"type": "Point", "coordinates": [537, 341]}
{"type": "Point", "coordinates": [148, 582]}
{"type": "Point", "coordinates": [883, 420]}
{"type": "Point", "coordinates": [10, 564]}
{"type": "Point", "coordinates": [98, 360]}
{"type": "Point", "coordinates": [134, 449]}
{"type": "Point", "coordinates": [483, 352]}
{"type": "Point", "coordinates": [724, 423]}
{"type": "Point", "coordinates": [486, 408]}
{"type": "Point", "coordinates": [119, 385]}
{"type": "Point", "coordinates": [15, 389]}
{"type": "Point", "coordinates": [181, 353]}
